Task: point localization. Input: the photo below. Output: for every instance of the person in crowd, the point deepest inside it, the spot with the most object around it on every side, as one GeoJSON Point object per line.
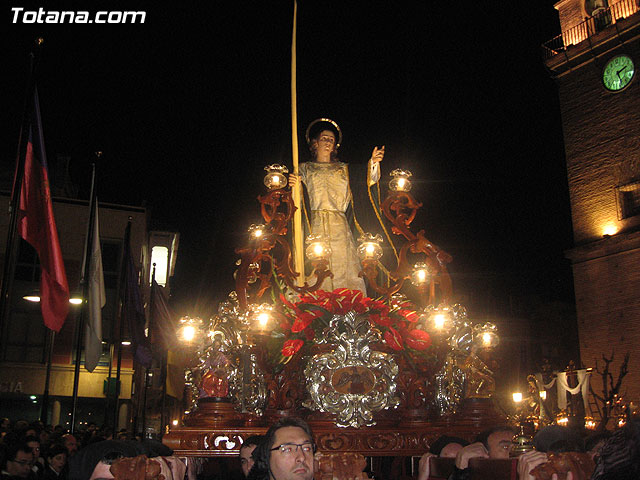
{"type": "Point", "coordinates": [70, 442]}
{"type": "Point", "coordinates": [38, 463]}
{"type": "Point", "coordinates": [117, 459]}
{"type": "Point", "coordinates": [494, 443]}
{"type": "Point", "coordinates": [286, 452]}
{"type": "Point", "coordinates": [619, 456]}
{"type": "Point", "coordinates": [56, 461]}
{"type": "Point", "coordinates": [555, 438]}
{"type": "Point", "coordinates": [18, 462]}
{"type": "Point", "coordinates": [5, 426]}
{"type": "Point", "coordinates": [595, 442]}
{"type": "Point", "coordinates": [247, 448]}
{"type": "Point", "coordinates": [445, 447]}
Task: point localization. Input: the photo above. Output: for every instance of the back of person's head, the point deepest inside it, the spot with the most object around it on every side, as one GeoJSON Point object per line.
{"type": "Point", "coordinates": [262, 454]}
{"type": "Point", "coordinates": [82, 464]}
{"type": "Point", "coordinates": [252, 440]}
{"type": "Point", "coordinates": [555, 438]}
{"type": "Point", "coordinates": [31, 438]}
{"type": "Point", "coordinates": [56, 450]}
{"type": "Point", "coordinates": [153, 448]}
{"type": "Point", "coordinates": [444, 440]}
{"type": "Point", "coordinates": [619, 457]}
{"type": "Point", "coordinates": [593, 443]}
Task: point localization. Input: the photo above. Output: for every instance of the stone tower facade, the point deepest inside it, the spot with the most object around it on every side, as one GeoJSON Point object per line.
{"type": "Point", "coordinates": [601, 122]}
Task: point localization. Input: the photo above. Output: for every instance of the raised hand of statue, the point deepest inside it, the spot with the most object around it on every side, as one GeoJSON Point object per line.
{"type": "Point", "coordinates": [377, 155]}
{"type": "Point", "coordinates": [293, 180]}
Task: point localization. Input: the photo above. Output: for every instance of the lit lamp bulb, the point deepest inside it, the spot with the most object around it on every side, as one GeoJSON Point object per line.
{"type": "Point", "coordinates": [543, 394]}
{"type": "Point", "coordinates": [275, 177]}
{"type": "Point", "coordinates": [263, 319]}
{"type": "Point", "coordinates": [188, 333]}
{"type": "Point", "coordinates": [486, 335]}
{"type": "Point", "coordinates": [261, 315]}
{"type": "Point", "coordinates": [256, 232]}
{"type": "Point", "coordinates": [370, 248]}
{"type": "Point", "coordinates": [317, 247]}
{"type": "Point", "coordinates": [188, 329]}
{"type": "Point", "coordinates": [400, 181]}
{"type": "Point", "coordinates": [517, 397]}
{"type": "Point", "coordinates": [438, 319]}
{"type": "Point", "coordinates": [420, 274]}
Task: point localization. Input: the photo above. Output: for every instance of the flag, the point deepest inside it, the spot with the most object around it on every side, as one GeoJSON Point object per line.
{"type": "Point", "coordinates": [163, 333]}
{"type": "Point", "coordinates": [37, 226]}
{"type": "Point", "coordinates": [96, 297]}
{"type": "Point", "coordinates": [132, 308]}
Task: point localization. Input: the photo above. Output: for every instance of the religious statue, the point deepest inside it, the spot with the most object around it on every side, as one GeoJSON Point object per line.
{"type": "Point", "coordinates": [327, 183]}
{"type": "Point", "coordinates": [479, 377]}
{"type": "Point", "coordinates": [215, 377]}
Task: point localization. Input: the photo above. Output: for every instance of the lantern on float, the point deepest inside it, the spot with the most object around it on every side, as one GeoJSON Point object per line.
{"type": "Point", "coordinates": [276, 176]}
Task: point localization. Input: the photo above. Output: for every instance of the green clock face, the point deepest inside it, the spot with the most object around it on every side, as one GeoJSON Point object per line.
{"type": "Point", "coordinates": [618, 73]}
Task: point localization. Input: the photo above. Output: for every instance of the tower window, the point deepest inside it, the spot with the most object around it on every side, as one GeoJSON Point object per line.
{"type": "Point", "coordinates": [628, 200]}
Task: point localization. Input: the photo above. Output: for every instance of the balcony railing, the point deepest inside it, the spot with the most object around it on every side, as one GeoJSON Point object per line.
{"type": "Point", "coordinates": [601, 19]}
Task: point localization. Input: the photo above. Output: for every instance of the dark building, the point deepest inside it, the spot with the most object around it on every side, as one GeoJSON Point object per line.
{"type": "Point", "coordinates": [24, 340]}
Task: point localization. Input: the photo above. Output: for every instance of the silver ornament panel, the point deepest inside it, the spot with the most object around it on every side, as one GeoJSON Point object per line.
{"type": "Point", "coordinates": [353, 381]}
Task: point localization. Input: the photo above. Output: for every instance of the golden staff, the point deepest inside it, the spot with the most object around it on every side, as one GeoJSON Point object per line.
{"type": "Point", "coordinates": [298, 253]}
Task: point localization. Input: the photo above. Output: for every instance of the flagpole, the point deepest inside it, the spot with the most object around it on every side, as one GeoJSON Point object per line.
{"type": "Point", "coordinates": [44, 410]}
{"type": "Point", "coordinates": [112, 350]}
{"type": "Point", "coordinates": [146, 377]}
{"type": "Point", "coordinates": [298, 259]}
{"type": "Point", "coordinates": [12, 240]}
{"type": "Point", "coordinates": [85, 301]}
{"type": "Point", "coordinates": [118, 342]}
{"type": "Point", "coordinates": [162, 345]}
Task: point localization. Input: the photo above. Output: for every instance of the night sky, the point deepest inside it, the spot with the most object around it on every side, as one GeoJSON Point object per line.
{"type": "Point", "coordinates": [189, 107]}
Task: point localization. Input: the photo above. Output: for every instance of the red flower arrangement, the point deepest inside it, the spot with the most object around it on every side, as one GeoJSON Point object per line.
{"type": "Point", "coordinates": [301, 320]}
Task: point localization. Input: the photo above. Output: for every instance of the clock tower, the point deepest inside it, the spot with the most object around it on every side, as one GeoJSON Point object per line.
{"type": "Point", "coordinates": [595, 63]}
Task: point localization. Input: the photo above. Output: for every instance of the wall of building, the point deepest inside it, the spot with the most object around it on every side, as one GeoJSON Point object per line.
{"type": "Point", "coordinates": [602, 145]}
{"type": "Point", "coordinates": [19, 381]}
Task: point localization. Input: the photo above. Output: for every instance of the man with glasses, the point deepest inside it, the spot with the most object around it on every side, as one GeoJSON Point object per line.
{"type": "Point", "coordinates": [18, 462]}
{"type": "Point", "coordinates": [286, 452]}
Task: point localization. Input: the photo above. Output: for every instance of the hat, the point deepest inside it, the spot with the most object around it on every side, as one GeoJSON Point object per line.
{"type": "Point", "coordinates": [320, 124]}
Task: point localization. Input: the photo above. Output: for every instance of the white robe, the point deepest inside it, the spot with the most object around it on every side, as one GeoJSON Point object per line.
{"type": "Point", "coordinates": [329, 197]}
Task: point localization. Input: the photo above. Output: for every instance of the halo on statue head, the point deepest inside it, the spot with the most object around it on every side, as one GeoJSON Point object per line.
{"type": "Point", "coordinates": [320, 124]}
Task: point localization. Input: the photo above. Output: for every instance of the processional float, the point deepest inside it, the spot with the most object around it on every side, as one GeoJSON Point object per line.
{"type": "Point", "coordinates": [378, 375]}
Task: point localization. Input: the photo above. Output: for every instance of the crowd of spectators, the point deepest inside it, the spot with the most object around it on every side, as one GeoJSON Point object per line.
{"type": "Point", "coordinates": [35, 451]}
